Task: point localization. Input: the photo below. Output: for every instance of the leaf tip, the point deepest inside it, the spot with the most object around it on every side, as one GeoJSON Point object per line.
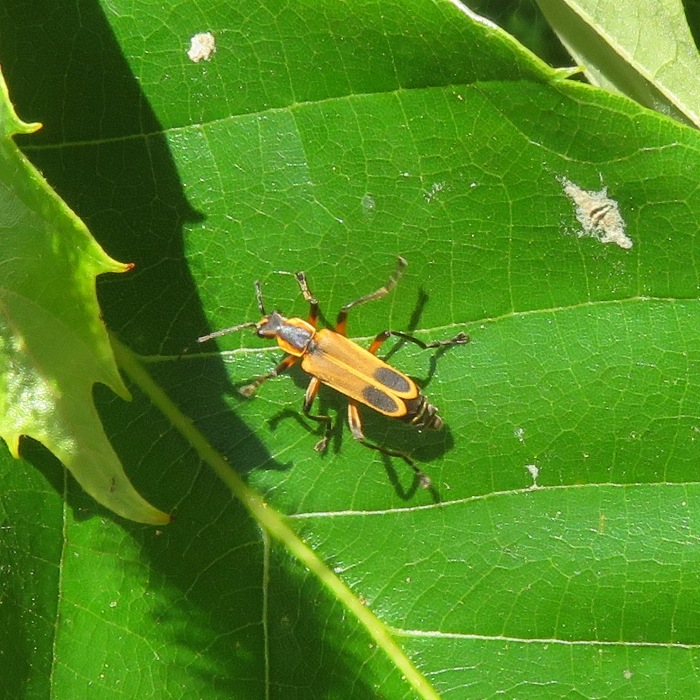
{"type": "Point", "coordinates": [118, 494]}
{"type": "Point", "coordinates": [12, 441]}
{"type": "Point", "coordinates": [112, 265]}
{"type": "Point", "coordinates": [12, 123]}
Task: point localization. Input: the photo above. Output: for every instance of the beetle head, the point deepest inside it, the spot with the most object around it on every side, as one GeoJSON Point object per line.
{"type": "Point", "coordinates": [270, 326]}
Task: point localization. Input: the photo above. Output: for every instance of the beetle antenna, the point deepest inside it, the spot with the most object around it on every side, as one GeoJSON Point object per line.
{"type": "Point", "coordinates": [259, 297]}
{"type": "Point", "coordinates": [226, 331]}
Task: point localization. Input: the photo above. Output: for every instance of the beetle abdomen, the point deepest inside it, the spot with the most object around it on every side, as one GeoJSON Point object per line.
{"type": "Point", "coordinates": [422, 414]}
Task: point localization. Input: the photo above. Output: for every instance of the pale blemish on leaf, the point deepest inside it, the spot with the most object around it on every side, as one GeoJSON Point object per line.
{"type": "Point", "coordinates": [534, 473]}
{"type": "Point", "coordinates": [369, 206]}
{"type": "Point", "coordinates": [202, 46]}
{"type": "Point", "coordinates": [598, 214]}
{"type": "Point", "coordinates": [434, 190]}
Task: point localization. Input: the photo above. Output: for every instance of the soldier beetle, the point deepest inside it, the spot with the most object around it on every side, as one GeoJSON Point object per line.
{"type": "Point", "coordinates": [332, 359]}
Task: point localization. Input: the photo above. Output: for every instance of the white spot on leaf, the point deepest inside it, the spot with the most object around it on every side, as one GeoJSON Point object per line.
{"type": "Point", "coordinates": [368, 204]}
{"type": "Point", "coordinates": [434, 190]}
{"type": "Point", "coordinates": [202, 46]}
{"type": "Point", "coordinates": [534, 473]}
{"type": "Point", "coordinates": [598, 215]}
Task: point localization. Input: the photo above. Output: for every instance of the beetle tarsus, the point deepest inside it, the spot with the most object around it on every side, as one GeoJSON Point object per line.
{"type": "Point", "coordinates": [459, 339]}
{"type": "Point", "coordinates": [248, 390]}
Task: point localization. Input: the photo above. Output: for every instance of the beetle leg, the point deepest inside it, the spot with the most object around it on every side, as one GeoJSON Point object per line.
{"type": "Point", "coordinates": [309, 297]}
{"type": "Point", "coordinates": [382, 337]}
{"type": "Point", "coordinates": [342, 320]}
{"type": "Point", "coordinates": [356, 428]}
{"type": "Point", "coordinates": [249, 389]}
{"type": "Point", "coordinates": [309, 397]}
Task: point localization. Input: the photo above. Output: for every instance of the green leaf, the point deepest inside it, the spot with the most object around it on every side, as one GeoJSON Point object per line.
{"type": "Point", "coordinates": [639, 48]}
{"type": "Point", "coordinates": [53, 345]}
{"type": "Point", "coordinates": [560, 554]}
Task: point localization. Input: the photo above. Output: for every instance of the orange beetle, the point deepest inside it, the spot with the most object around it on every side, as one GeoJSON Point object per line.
{"type": "Point", "coordinates": [331, 358]}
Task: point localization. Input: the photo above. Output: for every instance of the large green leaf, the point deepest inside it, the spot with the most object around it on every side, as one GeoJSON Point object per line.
{"type": "Point", "coordinates": [557, 554]}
